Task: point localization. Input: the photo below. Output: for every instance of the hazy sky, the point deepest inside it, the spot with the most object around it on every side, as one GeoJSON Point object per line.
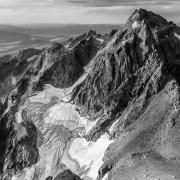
{"type": "Point", "coordinates": [82, 11]}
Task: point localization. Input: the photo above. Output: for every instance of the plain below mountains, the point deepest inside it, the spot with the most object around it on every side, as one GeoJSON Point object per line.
{"type": "Point", "coordinates": [16, 37]}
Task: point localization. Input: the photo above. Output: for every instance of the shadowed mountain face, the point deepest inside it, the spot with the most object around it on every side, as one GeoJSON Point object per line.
{"type": "Point", "coordinates": [95, 107]}
{"type": "Point", "coordinates": [64, 68]}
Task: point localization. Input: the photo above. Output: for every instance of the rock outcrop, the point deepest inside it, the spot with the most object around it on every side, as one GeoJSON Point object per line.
{"type": "Point", "coordinates": [86, 50]}
{"type": "Point", "coordinates": [67, 175]}
{"type": "Point", "coordinates": [72, 42]}
{"type": "Point", "coordinates": [17, 141]}
{"type": "Point", "coordinates": [13, 68]}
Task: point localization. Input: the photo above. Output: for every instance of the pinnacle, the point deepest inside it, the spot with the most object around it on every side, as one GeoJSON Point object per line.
{"type": "Point", "coordinates": [142, 15]}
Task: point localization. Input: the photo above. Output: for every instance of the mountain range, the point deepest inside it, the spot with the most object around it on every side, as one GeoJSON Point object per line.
{"type": "Point", "coordinates": [95, 106]}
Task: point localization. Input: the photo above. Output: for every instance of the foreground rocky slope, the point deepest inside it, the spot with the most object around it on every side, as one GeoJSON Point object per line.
{"type": "Point", "coordinates": [105, 108]}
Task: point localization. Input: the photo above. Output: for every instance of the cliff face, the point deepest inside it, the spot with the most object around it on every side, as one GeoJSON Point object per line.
{"type": "Point", "coordinates": [105, 108]}
{"type": "Point", "coordinates": [60, 67]}
{"type": "Point", "coordinates": [72, 42]}
{"type": "Point", "coordinates": [138, 62]}
{"type": "Point", "coordinates": [133, 88]}
{"type": "Point", "coordinates": [13, 68]}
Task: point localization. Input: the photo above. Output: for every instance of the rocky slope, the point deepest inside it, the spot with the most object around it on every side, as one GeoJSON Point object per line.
{"type": "Point", "coordinates": [70, 43]}
{"type": "Point", "coordinates": [59, 67]}
{"type": "Point", "coordinates": [133, 88]}
{"type": "Point", "coordinates": [103, 107]}
{"type": "Point", "coordinates": [13, 68]}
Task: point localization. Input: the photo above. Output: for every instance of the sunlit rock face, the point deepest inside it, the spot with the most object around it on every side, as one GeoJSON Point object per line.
{"type": "Point", "coordinates": [106, 108]}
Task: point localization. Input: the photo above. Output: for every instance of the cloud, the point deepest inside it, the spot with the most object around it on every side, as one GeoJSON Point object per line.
{"type": "Point", "coordinates": [83, 11]}
{"type": "Point", "coordinates": [108, 3]}
{"type": "Point", "coordinates": [93, 3]}
{"type": "Point", "coordinates": [22, 3]}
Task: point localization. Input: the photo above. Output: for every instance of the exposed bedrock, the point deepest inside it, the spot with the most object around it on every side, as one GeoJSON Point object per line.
{"type": "Point", "coordinates": [63, 68]}
{"type": "Point", "coordinates": [17, 141]}
{"type": "Point", "coordinates": [132, 66]}
{"type": "Point", "coordinates": [22, 151]}
{"type": "Point", "coordinates": [133, 88]}
{"type": "Point", "coordinates": [72, 42]}
{"type": "Point", "coordinates": [13, 68]}
{"type": "Point", "coordinates": [107, 38]}
{"type": "Point", "coordinates": [86, 50]}
{"type": "Point", "coordinates": [67, 175]}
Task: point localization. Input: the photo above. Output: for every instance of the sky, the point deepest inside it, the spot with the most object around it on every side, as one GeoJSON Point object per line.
{"type": "Point", "coordinates": [82, 11]}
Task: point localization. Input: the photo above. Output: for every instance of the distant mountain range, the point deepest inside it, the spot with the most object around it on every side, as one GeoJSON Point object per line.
{"type": "Point", "coordinates": [16, 37]}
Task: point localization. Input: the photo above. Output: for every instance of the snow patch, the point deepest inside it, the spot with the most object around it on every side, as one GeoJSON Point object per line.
{"type": "Point", "coordinates": [101, 40]}
{"type": "Point", "coordinates": [90, 154]}
{"type": "Point", "coordinates": [135, 25]}
{"type": "Point", "coordinates": [178, 36]}
{"type": "Point", "coordinates": [13, 80]}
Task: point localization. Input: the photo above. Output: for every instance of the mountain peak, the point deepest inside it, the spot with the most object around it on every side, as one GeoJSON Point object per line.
{"type": "Point", "coordinates": [143, 16]}
{"type": "Point", "coordinates": [90, 33]}
{"type": "Point", "coordinates": [56, 46]}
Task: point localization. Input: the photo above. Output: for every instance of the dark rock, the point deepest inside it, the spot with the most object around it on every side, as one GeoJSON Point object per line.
{"type": "Point", "coordinates": [17, 150]}
{"type": "Point", "coordinates": [64, 71]}
{"type": "Point", "coordinates": [49, 178]}
{"type": "Point", "coordinates": [86, 50]}
{"type": "Point", "coordinates": [67, 175]}
{"type": "Point", "coordinates": [124, 71]}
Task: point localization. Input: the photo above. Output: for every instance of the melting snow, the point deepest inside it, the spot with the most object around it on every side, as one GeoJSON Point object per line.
{"type": "Point", "coordinates": [90, 154]}
{"type": "Point", "coordinates": [101, 40]}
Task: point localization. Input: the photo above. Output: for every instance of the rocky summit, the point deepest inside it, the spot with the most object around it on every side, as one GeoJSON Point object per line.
{"type": "Point", "coordinates": [96, 107]}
